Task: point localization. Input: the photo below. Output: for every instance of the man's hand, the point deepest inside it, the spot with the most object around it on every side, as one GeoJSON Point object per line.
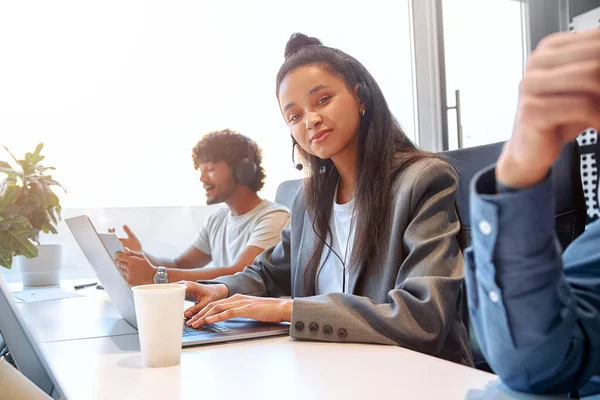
{"type": "Point", "coordinates": [136, 269]}
{"type": "Point", "coordinates": [559, 99]}
{"type": "Point", "coordinates": [131, 241]}
{"type": "Point", "coordinates": [256, 308]}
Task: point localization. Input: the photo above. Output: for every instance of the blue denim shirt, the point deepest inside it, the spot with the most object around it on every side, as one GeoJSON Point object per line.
{"type": "Point", "coordinates": [536, 310]}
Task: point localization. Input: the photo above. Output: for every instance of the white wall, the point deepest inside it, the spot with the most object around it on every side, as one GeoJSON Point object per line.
{"type": "Point", "coordinates": [121, 90]}
{"type": "Point", "coordinates": [163, 231]}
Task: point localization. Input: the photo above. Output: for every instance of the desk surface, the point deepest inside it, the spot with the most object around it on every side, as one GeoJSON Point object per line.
{"type": "Point", "coordinates": [104, 362]}
{"type": "Point", "coordinates": [73, 318]}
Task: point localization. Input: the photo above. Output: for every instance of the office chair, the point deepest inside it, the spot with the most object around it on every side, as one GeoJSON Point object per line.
{"type": "Point", "coordinates": [286, 192]}
{"type": "Point", "coordinates": [589, 147]}
{"type": "Point", "coordinates": [568, 193]}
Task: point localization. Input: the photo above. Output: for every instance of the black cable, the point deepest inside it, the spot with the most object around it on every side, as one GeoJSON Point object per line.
{"type": "Point", "coordinates": [336, 254]}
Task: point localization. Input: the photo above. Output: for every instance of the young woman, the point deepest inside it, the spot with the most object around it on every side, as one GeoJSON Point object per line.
{"type": "Point", "coordinates": [372, 254]}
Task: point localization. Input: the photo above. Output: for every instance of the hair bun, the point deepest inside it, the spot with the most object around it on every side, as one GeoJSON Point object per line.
{"type": "Point", "coordinates": [299, 41]}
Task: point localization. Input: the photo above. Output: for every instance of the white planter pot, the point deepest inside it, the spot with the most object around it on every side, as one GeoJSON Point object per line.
{"type": "Point", "coordinates": [44, 270]}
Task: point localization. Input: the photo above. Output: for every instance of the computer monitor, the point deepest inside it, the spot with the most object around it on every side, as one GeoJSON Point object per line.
{"type": "Point", "coordinates": [23, 348]}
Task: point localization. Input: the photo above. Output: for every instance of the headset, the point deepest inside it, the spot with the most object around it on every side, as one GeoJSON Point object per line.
{"type": "Point", "coordinates": [298, 166]}
{"type": "Point", "coordinates": [246, 170]}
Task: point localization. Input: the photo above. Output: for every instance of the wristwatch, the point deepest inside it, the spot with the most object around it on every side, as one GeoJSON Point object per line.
{"type": "Point", "coordinates": [161, 276]}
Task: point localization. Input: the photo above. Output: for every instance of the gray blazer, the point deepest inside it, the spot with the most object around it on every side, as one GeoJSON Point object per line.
{"type": "Point", "coordinates": [410, 300]}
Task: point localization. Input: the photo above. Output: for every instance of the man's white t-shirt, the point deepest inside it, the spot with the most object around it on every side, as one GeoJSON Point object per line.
{"type": "Point", "coordinates": [329, 276]}
{"type": "Point", "coordinates": [224, 236]}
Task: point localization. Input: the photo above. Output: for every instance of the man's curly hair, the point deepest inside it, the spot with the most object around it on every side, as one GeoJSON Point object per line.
{"type": "Point", "coordinates": [230, 147]}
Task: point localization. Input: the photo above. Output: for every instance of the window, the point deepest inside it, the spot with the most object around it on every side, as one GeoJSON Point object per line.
{"type": "Point", "coordinates": [484, 54]}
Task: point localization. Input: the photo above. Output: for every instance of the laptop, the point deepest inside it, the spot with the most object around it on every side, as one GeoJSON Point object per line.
{"type": "Point", "coordinates": [23, 349]}
{"type": "Point", "coordinates": [96, 250]}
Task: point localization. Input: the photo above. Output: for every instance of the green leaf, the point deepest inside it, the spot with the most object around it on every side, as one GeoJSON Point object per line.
{"type": "Point", "coordinates": [11, 154]}
{"type": "Point", "coordinates": [11, 173]}
{"type": "Point", "coordinates": [42, 192]}
{"type": "Point", "coordinates": [6, 183]}
{"type": "Point", "coordinates": [36, 154]}
{"type": "Point", "coordinates": [27, 167]}
{"type": "Point", "coordinates": [4, 164]}
{"type": "Point", "coordinates": [54, 201]}
{"type": "Point", "coordinates": [33, 159]}
{"type": "Point", "coordinates": [42, 169]}
{"type": "Point", "coordinates": [52, 215]}
{"type": "Point", "coordinates": [26, 209]}
{"type": "Point", "coordinates": [5, 259]}
{"type": "Point", "coordinates": [18, 220]}
{"type": "Point", "coordinates": [52, 182]}
{"type": "Point", "coordinates": [19, 243]}
{"type": "Point", "coordinates": [9, 197]}
{"type": "Point", "coordinates": [46, 181]}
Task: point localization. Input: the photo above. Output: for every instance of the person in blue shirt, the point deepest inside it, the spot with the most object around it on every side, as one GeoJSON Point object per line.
{"type": "Point", "coordinates": [536, 310]}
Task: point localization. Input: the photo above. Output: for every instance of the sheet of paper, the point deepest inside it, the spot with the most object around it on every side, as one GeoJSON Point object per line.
{"type": "Point", "coordinates": [43, 294]}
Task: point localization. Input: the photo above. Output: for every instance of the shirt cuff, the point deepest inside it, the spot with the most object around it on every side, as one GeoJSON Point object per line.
{"type": "Point", "coordinates": [510, 222]}
{"type": "Point", "coordinates": [231, 281]}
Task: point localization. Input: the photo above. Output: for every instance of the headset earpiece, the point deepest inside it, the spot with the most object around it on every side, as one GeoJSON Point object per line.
{"type": "Point", "coordinates": [246, 170]}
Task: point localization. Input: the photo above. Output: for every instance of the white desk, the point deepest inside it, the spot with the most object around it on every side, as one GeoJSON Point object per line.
{"type": "Point", "coordinates": [74, 318]}
{"type": "Point", "coordinates": [110, 367]}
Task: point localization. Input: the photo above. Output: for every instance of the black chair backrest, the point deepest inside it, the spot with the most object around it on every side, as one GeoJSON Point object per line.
{"type": "Point", "coordinates": [589, 147]}
{"type": "Point", "coordinates": [286, 192]}
{"type": "Point", "coordinates": [568, 193]}
{"type": "Point", "coordinates": [468, 162]}
{"type": "Point", "coordinates": [571, 208]}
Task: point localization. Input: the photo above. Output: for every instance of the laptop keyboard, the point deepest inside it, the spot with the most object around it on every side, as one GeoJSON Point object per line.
{"type": "Point", "coordinates": [204, 329]}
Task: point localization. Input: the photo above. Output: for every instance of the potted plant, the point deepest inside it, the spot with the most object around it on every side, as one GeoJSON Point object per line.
{"type": "Point", "coordinates": [28, 206]}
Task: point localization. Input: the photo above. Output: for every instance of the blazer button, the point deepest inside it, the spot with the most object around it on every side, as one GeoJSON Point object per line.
{"type": "Point", "coordinates": [313, 327]}
{"type": "Point", "coordinates": [299, 325]}
{"type": "Point", "coordinates": [327, 330]}
{"type": "Point", "coordinates": [342, 333]}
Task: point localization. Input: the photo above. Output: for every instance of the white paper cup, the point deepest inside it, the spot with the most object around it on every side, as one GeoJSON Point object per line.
{"type": "Point", "coordinates": [159, 313]}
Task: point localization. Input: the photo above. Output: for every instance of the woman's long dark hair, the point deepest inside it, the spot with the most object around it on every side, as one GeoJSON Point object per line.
{"type": "Point", "coordinates": [384, 152]}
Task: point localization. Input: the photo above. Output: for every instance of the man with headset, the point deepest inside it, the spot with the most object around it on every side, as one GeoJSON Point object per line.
{"type": "Point", "coordinates": [231, 172]}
